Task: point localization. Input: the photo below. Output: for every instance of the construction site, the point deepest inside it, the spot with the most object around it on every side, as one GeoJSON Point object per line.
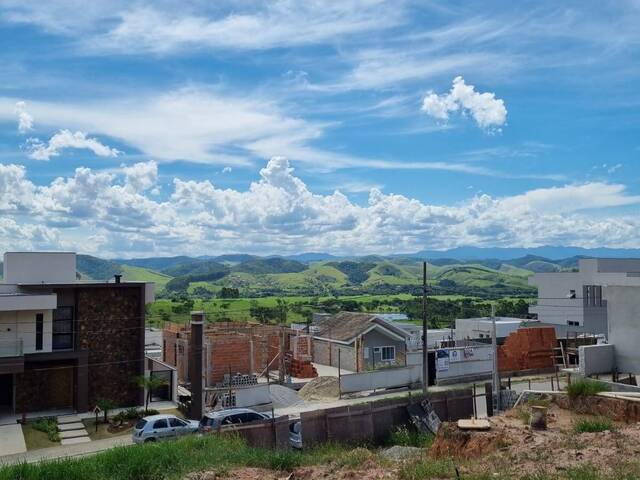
{"type": "Point", "coordinates": [240, 353]}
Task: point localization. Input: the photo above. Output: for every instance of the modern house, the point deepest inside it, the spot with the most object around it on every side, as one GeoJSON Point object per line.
{"type": "Point", "coordinates": [574, 301]}
{"type": "Point", "coordinates": [482, 328]}
{"type": "Point", "coordinates": [358, 342]}
{"type": "Point", "coordinates": [65, 344]}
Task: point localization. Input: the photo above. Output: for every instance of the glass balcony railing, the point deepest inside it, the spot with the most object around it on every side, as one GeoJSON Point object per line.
{"type": "Point", "coordinates": [10, 348]}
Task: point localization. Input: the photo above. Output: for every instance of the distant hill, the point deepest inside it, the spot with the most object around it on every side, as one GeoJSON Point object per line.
{"type": "Point", "coordinates": [261, 266]}
{"type": "Point", "coordinates": [471, 271]}
{"type": "Point", "coordinates": [234, 258]}
{"type": "Point", "coordinates": [157, 263]}
{"type": "Point", "coordinates": [95, 268]}
{"type": "Point", "coordinates": [478, 253]}
{"type": "Point", "coordinates": [310, 257]}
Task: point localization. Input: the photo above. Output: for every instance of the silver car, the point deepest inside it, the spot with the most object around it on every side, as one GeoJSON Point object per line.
{"type": "Point", "coordinates": [211, 421]}
{"type": "Point", "coordinates": [162, 427]}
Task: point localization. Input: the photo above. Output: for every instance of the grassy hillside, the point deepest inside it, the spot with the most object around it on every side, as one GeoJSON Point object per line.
{"type": "Point", "coordinates": [139, 274]}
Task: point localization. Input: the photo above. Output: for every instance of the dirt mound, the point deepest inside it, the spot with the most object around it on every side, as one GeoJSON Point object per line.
{"type": "Point", "coordinates": [320, 388]}
{"type": "Point", "coordinates": [453, 442]}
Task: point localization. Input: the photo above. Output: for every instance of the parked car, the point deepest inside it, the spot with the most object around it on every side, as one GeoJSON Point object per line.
{"type": "Point", "coordinates": [230, 416]}
{"type": "Point", "coordinates": [295, 434]}
{"type": "Point", "coordinates": [162, 427]}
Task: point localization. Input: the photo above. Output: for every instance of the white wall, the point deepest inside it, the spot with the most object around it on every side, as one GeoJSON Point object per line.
{"type": "Point", "coordinates": [39, 267]}
{"type": "Point", "coordinates": [474, 327]}
{"type": "Point", "coordinates": [553, 289]}
{"type": "Point", "coordinates": [22, 325]}
{"type": "Point", "coordinates": [387, 378]}
{"type": "Point", "coordinates": [623, 310]}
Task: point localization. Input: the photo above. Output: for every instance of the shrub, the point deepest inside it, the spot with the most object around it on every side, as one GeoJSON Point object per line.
{"type": "Point", "coordinates": [132, 413]}
{"type": "Point", "coordinates": [585, 387]}
{"type": "Point", "coordinates": [409, 437]}
{"type": "Point", "coordinates": [48, 425]}
{"type": "Point", "coordinates": [593, 425]}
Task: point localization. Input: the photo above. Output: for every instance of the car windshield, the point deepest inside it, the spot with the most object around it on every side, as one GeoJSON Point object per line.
{"type": "Point", "coordinates": [141, 423]}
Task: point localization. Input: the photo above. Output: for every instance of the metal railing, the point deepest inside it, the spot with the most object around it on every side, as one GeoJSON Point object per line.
{"type": "Point", "coordinates": [11, 348]}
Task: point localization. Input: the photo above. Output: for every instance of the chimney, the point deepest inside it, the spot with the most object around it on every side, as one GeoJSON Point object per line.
{"type": "Point", "coordinates": [196, 365]}
{"type": "Point", "coordinates": [117, 277]}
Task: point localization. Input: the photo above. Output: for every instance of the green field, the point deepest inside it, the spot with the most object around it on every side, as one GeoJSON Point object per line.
{"type": "Point", "coordinates": [238, 309]}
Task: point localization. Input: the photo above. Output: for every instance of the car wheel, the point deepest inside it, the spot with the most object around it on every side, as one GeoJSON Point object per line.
{"type": "Point", "coordinates": [149, 440]}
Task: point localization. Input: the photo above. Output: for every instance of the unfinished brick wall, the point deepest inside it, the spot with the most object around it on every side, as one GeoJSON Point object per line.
{"type": "Point", "coordinates": [239, 347]}
{"type": "Point", "coordinates": [527, 349]}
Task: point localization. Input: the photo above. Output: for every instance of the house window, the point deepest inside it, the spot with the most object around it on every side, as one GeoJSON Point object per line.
{"type": "Point", "coordinates": [62, 338]}
{"type": "Point", "coordinates": [39, 330]}
{"type": "Point", "coordinates": [572, 323]}
{"type": "Point", "coordinates": [572, 294]}
{"type": "Point", "coordinates": [388, 353]}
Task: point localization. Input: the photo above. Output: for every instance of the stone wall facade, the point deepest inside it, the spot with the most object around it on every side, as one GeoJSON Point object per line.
{"type": "Point", "coordinates": [111, 327]}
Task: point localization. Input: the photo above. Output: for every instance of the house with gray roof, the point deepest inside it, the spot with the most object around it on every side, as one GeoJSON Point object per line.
{"type": "Point", "coordinates": [358, 342]}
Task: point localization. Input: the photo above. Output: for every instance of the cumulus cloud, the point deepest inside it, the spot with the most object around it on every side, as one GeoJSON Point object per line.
{"type": "Point", "coordinates": [488, 111]}
{"type": "Point", "coordinates": [66, 139]}
{"type": "Point", "coordinates": [279, 213]}
{"type": "Point", "coordinates": [25, 120]}
{"type": "Point", "coordinates": [141, 176]}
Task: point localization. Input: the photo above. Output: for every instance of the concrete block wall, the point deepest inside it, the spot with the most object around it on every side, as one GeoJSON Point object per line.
{"type": "Point", "coordinates": [594, 359]}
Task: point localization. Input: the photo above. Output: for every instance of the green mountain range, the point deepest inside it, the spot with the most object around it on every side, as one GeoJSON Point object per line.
{"type": "Point", "coordinates": [255, 276]}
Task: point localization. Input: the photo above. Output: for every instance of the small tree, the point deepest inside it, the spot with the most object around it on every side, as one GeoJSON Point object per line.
{"type": "Point", "coordinates": [150, 384]}
{"type": "Point", "coordinates": [105, 405]}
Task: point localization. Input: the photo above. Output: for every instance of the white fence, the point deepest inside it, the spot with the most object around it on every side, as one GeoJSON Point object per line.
{"type": "Point", "coordinates": [242, 396]}
{"type": "Point", "coordinates": [459, 363]}
{"type": "Point", "coordinates": [386, 378]}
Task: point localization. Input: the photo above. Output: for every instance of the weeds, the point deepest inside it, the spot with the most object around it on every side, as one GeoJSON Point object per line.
{"type": "Point", "coordinates": [585, 387]}
{"type": "Point", "coordinates": [593, 425]}
{"type": "Point", "coordinates": [428, 468]}
{"type": "Point", "coordinates": [173, 459]}
{"type": "Point", "coordinates": [524, 415]}
{"type": "Point", "coordinates": [410, 437]}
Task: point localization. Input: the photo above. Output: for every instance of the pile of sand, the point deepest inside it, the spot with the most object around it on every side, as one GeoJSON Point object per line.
{"type": "Point", "coordinates": [320, 388]}
{"type": "Point", "coordinates": [283, 397]}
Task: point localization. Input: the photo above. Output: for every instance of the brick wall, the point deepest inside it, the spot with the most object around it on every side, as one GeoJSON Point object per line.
{"type": "Point", "coordinates": [527, 349]}
{"type": "Point", "coordinates": [111, 329]}
{"type": "Point", "coordinates": [244, 348]}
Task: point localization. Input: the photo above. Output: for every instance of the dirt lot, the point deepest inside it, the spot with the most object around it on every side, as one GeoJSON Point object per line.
{"type": "Point", "coordinates": [513, 447]}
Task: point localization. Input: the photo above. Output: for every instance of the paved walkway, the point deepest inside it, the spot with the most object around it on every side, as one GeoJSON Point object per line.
{"type": "Point", "coordinates": [67, 451]}
{"type": "Point", "coordinates": [11, 440]}
{"type": "Point", "coordinates": [71, 430]}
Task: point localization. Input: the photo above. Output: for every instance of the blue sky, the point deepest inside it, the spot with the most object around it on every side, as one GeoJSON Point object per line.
{"type": "Point", "coordinates": [360, 126]}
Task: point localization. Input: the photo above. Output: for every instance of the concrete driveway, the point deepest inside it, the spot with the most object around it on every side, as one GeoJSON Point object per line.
{"type": "Point", "coordinates": [11, 440]}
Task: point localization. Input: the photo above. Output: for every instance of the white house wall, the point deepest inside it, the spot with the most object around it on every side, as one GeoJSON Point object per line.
{"type": "Point", "coordinates": [22, 325]}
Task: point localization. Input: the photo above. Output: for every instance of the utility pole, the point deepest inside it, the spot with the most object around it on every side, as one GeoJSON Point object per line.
{"type": "Point", "coordinates": [425, 352]}
{"type": "Point", "coordinates": [494, 344]}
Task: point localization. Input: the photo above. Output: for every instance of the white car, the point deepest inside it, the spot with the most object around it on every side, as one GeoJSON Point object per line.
{"type": "Point", "coordinates": [162, 427]}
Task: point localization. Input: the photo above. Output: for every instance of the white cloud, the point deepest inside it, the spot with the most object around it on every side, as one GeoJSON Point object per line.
{"type": "Point", "coordinates": [227, 170]}
{"type": "Point", "coordinates": [141, 176]}
{"type": "Point", "coordinates": [278, 213]}
{"type": "Point", "coordinates": [488, 111]}
{"type": "Point", "coordinates": [211, 126]}
{"type": "Point", "coordinates": [171, 26]}
{"type": "Point", "coordinates": [25, 120]}
{"type": "Point", "coordinates": [66, 139]}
